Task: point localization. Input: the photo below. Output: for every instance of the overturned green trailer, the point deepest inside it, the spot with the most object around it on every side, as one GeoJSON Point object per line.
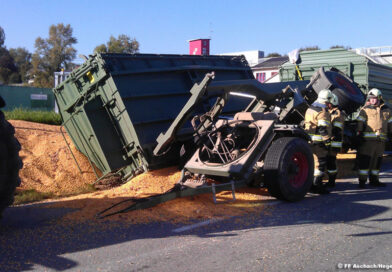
{"type": "Point", "coordinates": [130, 113]}
{"type": "Point", "coordinates": [114, 106]}
{"type": "Point", "coordinates": [366, 73]}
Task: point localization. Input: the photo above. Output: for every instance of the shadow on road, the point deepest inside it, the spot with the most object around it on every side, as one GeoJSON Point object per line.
{"type": "Point", "coordinates": [32, 235]}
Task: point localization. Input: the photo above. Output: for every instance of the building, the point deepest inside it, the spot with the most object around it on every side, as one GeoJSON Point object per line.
{"type": "Point", "coordinates": [60, 77]}
{"type": "Point", "coordinates": [199, 47]}
{"type": "Point", "coordinates": [264, 69]}
{"type": "Point", "coordinates": [253, 56]}
{"type": "Point", "coordinates": [267, 71]}
{"type": "Point", "coordinates": [380, 54]}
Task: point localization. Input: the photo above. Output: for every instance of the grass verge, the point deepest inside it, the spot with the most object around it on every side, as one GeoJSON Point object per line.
{"type": "Point", "coordinates": [31, 195]}
{"type": "Point", "coordinates": [28, 196]}
{"type": "Point", "coordinates": [44, 117]}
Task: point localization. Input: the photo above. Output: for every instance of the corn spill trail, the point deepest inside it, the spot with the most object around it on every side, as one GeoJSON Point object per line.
{"type": "Point", "coordinates": [49, 167]}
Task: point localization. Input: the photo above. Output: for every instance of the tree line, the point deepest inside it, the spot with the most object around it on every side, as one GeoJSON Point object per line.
{"type": "Point", "coordinates": [52, 54]}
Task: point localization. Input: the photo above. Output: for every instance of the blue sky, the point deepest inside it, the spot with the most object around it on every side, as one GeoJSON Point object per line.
{"type": "Point", "coordinates": [165, 26]}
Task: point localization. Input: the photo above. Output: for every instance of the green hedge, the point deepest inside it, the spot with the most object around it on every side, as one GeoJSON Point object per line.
{"type": "Point", "coordinates": [44, 117]}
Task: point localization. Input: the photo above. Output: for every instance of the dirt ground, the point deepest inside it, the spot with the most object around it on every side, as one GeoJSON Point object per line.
{"type": "Point", "coordinates": [48, 163]}
{"type": "Point", "coordinates": [50, 168]}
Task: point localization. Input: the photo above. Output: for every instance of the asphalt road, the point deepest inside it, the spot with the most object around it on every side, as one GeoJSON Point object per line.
{"type": "Point", "coordinates": [349, 227]}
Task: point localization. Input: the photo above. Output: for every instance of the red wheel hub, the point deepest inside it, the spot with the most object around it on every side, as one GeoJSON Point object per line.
{"type": "Point", "coordinates": [347, 85]}
{"type": "Point", "coordinates": [298, 170]}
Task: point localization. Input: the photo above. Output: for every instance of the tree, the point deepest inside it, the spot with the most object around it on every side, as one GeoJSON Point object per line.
{"type": "Point", "coordinates": [7, 66]}
{"type": "Point", "coordinates": [53, 54]}
{"type": "Point", "coordinates": [123, 44]}
{"type": "Point", "coordinates": [271, 55]}
{"type": "Point", "coordinates": [340, 46]}
{"type": "Point", "coordinates": [22, 59]}
{"type": "Point", "coordinates": [2, 36]}
{"type": "Point", "coordinates": [309, 48]}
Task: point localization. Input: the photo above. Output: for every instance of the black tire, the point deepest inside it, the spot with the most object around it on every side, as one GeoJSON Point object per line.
{"type": "Point", "coordinates": [289, 168]}
{"type": "Point", "coordinates": [350, 96]}
{"type": "Point", "coordinates": [10, 163]}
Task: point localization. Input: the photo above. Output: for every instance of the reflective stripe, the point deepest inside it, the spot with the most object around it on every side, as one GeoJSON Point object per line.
{"type": "Point", "coordinates": [375, 135]}
{"type": "Point", "coordinates": [338, 124]}
{"type": "Point", "coordinates": [332, 171]}
{"type": "Point", "coordinates": [360, 118]}
{"type": "Point", "coordinates": [323, 123]}
{"type": "Point", "coordinates": [318, 173]}
{"type": "Point", "coordinates": [336, 144]}
{"type": "Point", "coordinates": [375, 172]}
{"type": "Point", "coordinates": [370, 135]}
{"type": "Point", "coordinates": [364, 172]}
{"type": "Point", "coordinates": [316, 138]}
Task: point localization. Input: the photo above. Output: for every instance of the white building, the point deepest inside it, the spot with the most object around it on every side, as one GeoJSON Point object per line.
{"type": "Point", "coordinates": [267, 70]}
{"type": "Point", "coordinates": [253, 56]}
{"type": "Point", "coordinates": [380, 54]}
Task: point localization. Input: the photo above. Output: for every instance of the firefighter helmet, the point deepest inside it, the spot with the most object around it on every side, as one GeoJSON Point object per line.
{"type": "Point", "coordinates": [374, 93]}
{"type": "Point", "coordinates": [324, 96]}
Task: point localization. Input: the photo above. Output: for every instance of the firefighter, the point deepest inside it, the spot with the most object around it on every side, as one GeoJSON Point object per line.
{"type": "Point", "coordinates": [318, 126]}
{"type": "Point", "coordinates": [374, 126]}
{"type": "Point", "coordinates": [337, 122]}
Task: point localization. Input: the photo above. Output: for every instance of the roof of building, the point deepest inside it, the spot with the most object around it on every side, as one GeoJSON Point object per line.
{"type": "Point", "coordinates": [191, 40]}
{"type": "Point", "coordinates": [272, 62]}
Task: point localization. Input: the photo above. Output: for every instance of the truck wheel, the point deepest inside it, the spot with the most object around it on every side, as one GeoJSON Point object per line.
{"type": "Point", "coordinates": [350, 95]}
{"type": "Point", "coordinates": [289, 168]}
{"type": "Point", "coordinates": [10, 163]}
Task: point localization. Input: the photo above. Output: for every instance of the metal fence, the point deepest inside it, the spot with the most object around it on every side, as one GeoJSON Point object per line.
{"type": "Point", "coordinates": [27, 98]}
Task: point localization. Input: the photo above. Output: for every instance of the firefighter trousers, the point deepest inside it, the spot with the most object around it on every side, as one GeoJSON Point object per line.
{"type": "Point", "coordinates": [320, 160]}
{"type": "Point", "coordinates": [331, 163]}
{"type": "Point", "coordinates": [369, 160]}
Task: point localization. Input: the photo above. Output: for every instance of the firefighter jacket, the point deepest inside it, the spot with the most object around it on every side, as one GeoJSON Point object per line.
{"type": "Point", "coordinates": [318, 124]}
{"type": "Point", "coordinates": [375, 122]}
{"type": "Point", "coordinates": [337, 122]}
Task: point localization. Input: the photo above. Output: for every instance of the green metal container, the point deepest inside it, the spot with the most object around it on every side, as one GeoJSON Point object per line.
{"type": "Point", "coordinates": [114, 106]}
{"type": "Point", "coordinates": [361, 69]}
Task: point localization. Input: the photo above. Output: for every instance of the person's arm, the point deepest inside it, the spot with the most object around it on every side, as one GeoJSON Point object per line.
{"type": "Point", "coordinates": [390, 125]}
{"type": "Point", "coordinates": [361, 122]}
{"type": "Point", "coordinates": [324, 127]}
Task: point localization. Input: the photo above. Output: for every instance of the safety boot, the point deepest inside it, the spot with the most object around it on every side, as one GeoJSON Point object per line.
{"type": "Point", "coordinates": [318, 187]}
{"type": "Point", "coordinates": [362, 182]}
{"type": "Point", "coordinates": [331, 180]}
{"type": "Point", "coordinates": [373, 181]}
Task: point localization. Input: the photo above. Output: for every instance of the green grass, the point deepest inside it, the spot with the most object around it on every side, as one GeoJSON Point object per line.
{"type": "Point", "coordinates": [44, 117]}
{"type": "Point", "coordinates": [29, 196]}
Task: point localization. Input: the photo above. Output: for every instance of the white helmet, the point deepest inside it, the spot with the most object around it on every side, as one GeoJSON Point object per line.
{"type": "Point", "coordinates": [374, 93]}
{"type": "Point", "coordinates": [324, 96]}
{"type": "Point", "coordinates": [335, 100]}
